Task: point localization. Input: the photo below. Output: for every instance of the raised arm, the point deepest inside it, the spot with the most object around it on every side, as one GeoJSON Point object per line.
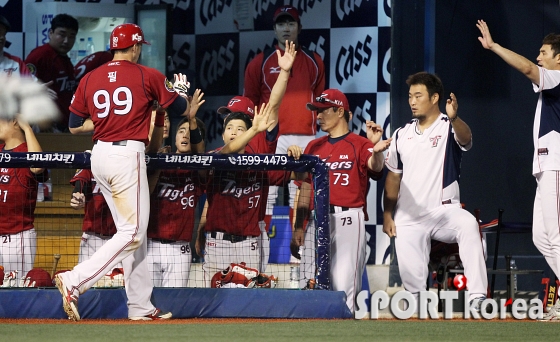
{"type": "Point", "coordinates": [462, 130]}
{"type": "Point", "coordinates": [197, 140]}
{"type": "Point", "coordinates": [522, 64]}
{"type": "Point", "coordinates": [261, 122]}
{"type": "Point", "coordinates": [285, 63]}
{"type": "Point", "coordinates": [374, 133]}
{"type": "Point", "coordinates": [31, 140]}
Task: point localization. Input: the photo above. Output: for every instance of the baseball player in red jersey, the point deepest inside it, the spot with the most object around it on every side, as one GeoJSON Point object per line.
{"type": "Point", "coordinates": [350, 157]}
{"type": "Point", "coordinates": [307, 81]}
{"type": "Point", "coordinates": [115, 101]}
{"type": "Point", "coordinates": [265, 142]}
{"type": "Point", "coordinates": [50, 62]}
{"type": "Point", "coordinates": [18, 196]}
{"type": "Point", "coordinates": [98, 225]}
{"type": "Point", "coordinates": [88, 63]}
{"type": "Point", "coordinates": [173, 212]}
{"type": "Point", "coordinates": [235, 195]}
{"type": "Point", "coordinates": [9, 64]}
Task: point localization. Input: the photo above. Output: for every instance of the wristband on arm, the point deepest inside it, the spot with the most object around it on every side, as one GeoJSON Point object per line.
{"type": "Point", "coordinates": [196, 137]}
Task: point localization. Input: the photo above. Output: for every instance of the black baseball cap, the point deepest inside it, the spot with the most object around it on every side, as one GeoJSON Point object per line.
{"type": "Point", "coordinates": [5, 22]}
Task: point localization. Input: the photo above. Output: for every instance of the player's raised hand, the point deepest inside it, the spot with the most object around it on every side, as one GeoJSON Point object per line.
{"type": "Point", "coordinates": [451, 106]}
{"type": "Point", "coordinates": [195, 102]}
{"type": "Point", "coordinates": [374, 131]}
{"type": "Point", "coordinates": [261, 121]}
{"type": "Point", "coordinates": [181, 85]}
{"type": "Point", "coordinates": [486, 39]}
{"type": "Point", "coordinates": [78, 200]}
{"type": "Point", "coordinates": [287, 60]}
{"type": "Point", "coordinates": [295, 151]}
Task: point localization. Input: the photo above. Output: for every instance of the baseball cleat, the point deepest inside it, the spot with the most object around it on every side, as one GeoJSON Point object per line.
{"type": "Point", "coordinates": [553, 313]}
{"type": "Point", "coordinates": [476, 303]}
{"type": "Point", "coordinates": [158, 314]}
{"type": "Point", "coordinates": [69, 300]}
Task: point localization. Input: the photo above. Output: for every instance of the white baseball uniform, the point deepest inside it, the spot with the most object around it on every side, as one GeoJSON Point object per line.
{"type": "Point", "coordinates": [546, 168]}
{"type": "Point", "coordinates": [428, 206]}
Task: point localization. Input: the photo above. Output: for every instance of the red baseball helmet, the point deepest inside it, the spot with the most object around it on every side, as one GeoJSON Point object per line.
{"type": "Point", "coordinates": [126, 35]}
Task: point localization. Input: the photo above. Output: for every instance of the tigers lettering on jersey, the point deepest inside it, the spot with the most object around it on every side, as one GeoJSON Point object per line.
{"type": "Point", "coordinates": [172, 192]}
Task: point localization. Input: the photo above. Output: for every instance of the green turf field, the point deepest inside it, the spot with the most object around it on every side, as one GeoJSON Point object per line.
{"type": "Point", "coordinates": [298, 330]}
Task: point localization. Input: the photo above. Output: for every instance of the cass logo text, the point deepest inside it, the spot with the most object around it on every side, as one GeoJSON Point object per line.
{"type": "Point", "coordinates": [350, 59]}
{"type": "Point", "coordinates": [215, 63]}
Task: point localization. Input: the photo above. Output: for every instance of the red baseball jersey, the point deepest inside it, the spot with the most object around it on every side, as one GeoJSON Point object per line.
{"type": "Point", "coordinates": [173, 205]}
{"type": "Point", "coordinates": [97, 215]}
{"type": "Point", "coordinates": [91, 62]}
{"type": "Point", "coordinates": [18, 196]}
{"type": "Point", "coordinates": [47, 65]}
{"type": "Point", "coordinates": [307, 81]}
{"type": "Point", "coordinates": [235, 200]}
{"type": "Point", "coordinates": [259, 144]}
{"type": "Point", "coordinates": [12, 65]}
{"type": "Point", "coordinates": [347, 158]}
{"type": "Point", "coordinates": [118, 96]}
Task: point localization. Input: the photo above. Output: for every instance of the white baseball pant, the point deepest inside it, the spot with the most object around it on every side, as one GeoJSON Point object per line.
{"type": "Point", "coordinates": [546, 218]}
{"type": "Point", "coordinates": [120, 172]}
{"type": "Point", "coordinates": [169, 264]}
{"type": "Point", "coordinates": [450, 224]}
{"type": "Point", "coordinates": [17, 252]}
{"type": "Point", "coordinates": [220, 253]}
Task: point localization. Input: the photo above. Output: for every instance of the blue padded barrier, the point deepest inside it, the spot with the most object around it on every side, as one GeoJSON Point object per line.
{"type": "Point", "coordinates": [182, 302]}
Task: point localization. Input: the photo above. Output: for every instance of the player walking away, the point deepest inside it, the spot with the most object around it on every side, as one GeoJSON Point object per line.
{"type": "Point", "coordinates": [546, 159]}
{"type": "Point", "coordinates": [18, 196]}
{"type": "Point", "coordinates": [307, 81]}
{"type": "Point", "coordinates": [116, 99]}
{"type": "Point", "coordinates": [50, 63]}
{"type": "Point", "coordinates": [349, 157]}
{"type": "Point", "coordinates": [421, 200]}
{"type": "Point", "coordinates": [9, 64]}
{"type": "Point", "coordinates": [173, 204]}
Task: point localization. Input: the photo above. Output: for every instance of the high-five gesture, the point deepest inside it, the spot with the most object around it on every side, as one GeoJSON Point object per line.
{"type": "Point", "coordinates": [286, 61]}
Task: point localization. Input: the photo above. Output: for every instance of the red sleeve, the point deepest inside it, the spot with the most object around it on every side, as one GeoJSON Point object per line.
{"type": "Point", "coordinates": [78, 105]}
{"type": "Point", "coordinates": [253, 79]}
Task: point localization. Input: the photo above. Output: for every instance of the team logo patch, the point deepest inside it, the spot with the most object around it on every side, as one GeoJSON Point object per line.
{"type": "Point", "coordinates": [542, 151]}
{"type": "Point", "coordinates": [32, 68]}
{"type": "Point", "coordinates": [169, 86]}
{"type": "Point", "coordinates": [435, 140]}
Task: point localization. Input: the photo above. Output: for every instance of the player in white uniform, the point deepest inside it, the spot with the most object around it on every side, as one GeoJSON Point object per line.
{"type": "Point", "coordinates": [350, 158]}
{"type": "Point", "coordinates": [546, 137]}
{"type": "Point", "coordinates": [421, 200]}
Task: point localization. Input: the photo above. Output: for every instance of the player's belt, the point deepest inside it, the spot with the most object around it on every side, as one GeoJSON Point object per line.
{"type": "Point", "coordinates": [116, 143]}
{"type": "Point", "coordinates": [337, 209]}
{"type": "Point", "coordinates": [227, 237]}
{"type": "Point", "coordinates": [446, 202]}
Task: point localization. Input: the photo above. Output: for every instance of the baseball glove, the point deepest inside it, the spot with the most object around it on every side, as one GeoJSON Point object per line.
{"type": "Point", "coordinates": [264, 281]}
{"type": "Point", "coordinates": [294, 249]}
{"type": "Point", "coordinates": [238, 274]}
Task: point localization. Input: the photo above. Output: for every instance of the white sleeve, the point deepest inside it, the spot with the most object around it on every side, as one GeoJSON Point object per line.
{"type": "Point", "coordinates": [549, 79]}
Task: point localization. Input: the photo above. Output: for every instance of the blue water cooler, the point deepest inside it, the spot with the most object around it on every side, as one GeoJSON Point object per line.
{"type": "Point", "coordinates": [280, 234]}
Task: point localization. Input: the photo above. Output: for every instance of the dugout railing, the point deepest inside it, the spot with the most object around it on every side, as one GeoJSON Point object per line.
{"type": "Point", "coordinates": [233, 162]}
